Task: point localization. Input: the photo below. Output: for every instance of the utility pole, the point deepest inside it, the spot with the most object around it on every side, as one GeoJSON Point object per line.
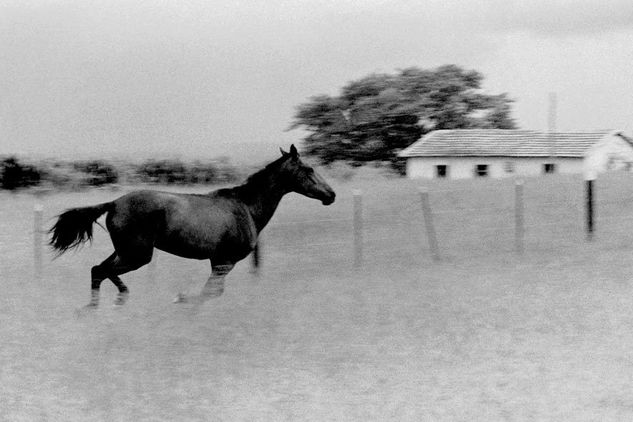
{"type": "Point", "coordinates": [551, 125]}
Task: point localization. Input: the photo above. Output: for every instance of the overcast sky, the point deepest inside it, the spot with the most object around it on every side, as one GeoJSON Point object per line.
{"type": "Point", "coordinates": [207, 78]}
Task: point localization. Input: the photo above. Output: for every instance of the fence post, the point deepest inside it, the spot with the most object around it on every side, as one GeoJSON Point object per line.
{"type": "Point", "coordinates": [38, 210]}
{"type": "Point", "coordinates": [358, 227]}
{"type": "Point", "coordinates": [519, 230]}
{"type": "Point", "coordinates": [590, 209]}
{"type": "Point", "coordinates": [428, 223]}
{"type": "Point", "coordinates": [255, 258]}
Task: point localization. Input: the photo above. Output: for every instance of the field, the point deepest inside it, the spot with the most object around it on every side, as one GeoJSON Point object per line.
{"type": "Point", "coordinates": [485, 334]}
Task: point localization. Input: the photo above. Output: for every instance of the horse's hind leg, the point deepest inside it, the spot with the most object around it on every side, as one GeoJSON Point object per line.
{"type": "Point", "coordinates": [111, 268]}
{"type": "Point", "coordinates": [121, 297]}
{"type": "Point", "coordinates": [98, 273]}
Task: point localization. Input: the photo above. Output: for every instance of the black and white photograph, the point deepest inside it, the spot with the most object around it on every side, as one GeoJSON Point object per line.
{"type": "Point", "coordinates": [292, 210]}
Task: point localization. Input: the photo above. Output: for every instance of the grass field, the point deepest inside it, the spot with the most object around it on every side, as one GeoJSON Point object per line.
{"type": "Point", "coordinates": [482, 335]}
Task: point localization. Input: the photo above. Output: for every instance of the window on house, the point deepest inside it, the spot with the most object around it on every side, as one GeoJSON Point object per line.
{"type": "Point", "coordinates": [549, 168]}
{"type": "Point", "coordinates": [481, 170]}
{"type": "Point", "coordinates": [441, 170]}
{"type": "Point", "coordinates": [509, 166]}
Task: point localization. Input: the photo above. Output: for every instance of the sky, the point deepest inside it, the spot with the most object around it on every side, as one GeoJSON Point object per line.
{"type": "Point", "coordinates": [204, 78]}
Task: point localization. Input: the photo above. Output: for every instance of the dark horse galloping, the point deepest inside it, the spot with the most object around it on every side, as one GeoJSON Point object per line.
{"type": "Point", "coordinates": [221, 226]}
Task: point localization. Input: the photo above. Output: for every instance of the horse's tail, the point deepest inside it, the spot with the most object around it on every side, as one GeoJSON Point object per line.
{"type": "Point", "coordinates": [74, 226]}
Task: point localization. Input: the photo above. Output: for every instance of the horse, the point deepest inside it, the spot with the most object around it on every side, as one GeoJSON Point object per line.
{"type": "Point", "coordinates": [221, 226]}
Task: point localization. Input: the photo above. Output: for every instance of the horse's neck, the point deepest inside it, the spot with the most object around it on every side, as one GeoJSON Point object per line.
{"type": "Point", "coordinates": [262, 200]}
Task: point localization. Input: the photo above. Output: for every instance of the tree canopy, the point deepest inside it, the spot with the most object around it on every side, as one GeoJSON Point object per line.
{"type": "Point", "coordinates": [375, 117]}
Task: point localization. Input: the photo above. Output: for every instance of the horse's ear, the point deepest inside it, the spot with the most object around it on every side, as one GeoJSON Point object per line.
{"type": "Point", "coordinates": [293, 151]}
{"type": "Point", "coordinates": [283, 153]}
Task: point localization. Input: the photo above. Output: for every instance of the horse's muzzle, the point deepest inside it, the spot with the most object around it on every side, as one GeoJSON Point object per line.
{"type": "Point", "coordinates": [329, 199]}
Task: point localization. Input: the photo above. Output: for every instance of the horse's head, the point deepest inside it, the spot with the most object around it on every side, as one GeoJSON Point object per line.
{"type": "Point", "coordinates": [302, 178]}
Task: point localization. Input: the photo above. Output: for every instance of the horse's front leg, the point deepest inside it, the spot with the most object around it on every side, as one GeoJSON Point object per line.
{"type": "Point", "coordinates": [214, 287]}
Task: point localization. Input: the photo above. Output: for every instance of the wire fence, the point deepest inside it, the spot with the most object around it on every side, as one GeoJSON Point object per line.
{"type": "Point", "coordinates": [421, 223]}
{"type": "Point", "coordinates": [537, 216]}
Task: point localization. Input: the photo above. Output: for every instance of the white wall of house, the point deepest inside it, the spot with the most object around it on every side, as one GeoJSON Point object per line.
{"type": "Point", "coordinates": [497, 167]}
{"type": "Point", "coordinates": [611, 153]}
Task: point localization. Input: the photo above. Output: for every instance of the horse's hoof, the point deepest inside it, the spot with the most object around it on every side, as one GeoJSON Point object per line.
{"type": "Point", "coordinates": [214, 294]}
{"type": "Point", "coordinates": [180, 298]}
{"type": "Point", "coordinates": [121, 299]}
{"type": "Point", "coordinates": [79, 312]}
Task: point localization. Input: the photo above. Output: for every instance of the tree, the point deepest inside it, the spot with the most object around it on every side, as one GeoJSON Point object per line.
{"type": "Point", "coordinates": [14, 175]}
{"type": "Point", "coordinates": [377, 116]}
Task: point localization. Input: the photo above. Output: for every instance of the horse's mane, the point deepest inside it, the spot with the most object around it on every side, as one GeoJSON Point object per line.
{"type": "Point", "coordinates": [255, 181]}
{"type": "Point", "coordinates": [262, 175]}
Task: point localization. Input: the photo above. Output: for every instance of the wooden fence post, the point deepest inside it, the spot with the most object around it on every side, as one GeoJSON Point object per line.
{"type": "Point", "coordinates": [519, 230]}
{"type": "Point", "coordinates": [428, 224]}
{"type": "Point", "coordinates": [38, 210]}
{"type": "Point", "coordinates": [590, 209]}
{"type": "Point", "coordinates": [255, 258]}
{"type": "Point", "coordinates": [358, 227]}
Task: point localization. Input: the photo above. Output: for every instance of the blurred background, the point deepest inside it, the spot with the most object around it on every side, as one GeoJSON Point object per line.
{"type": "Point", "coordinates": [199, 80]}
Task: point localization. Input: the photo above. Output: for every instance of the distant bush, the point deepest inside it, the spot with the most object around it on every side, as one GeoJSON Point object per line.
{"type": "Point", "coordinates": [168, 172]}
{"type": "Point", "coordinates": [14, 175]}
{"type": "Point", "coordinates": [224, 171]}
{"type": "Point", "coordinates": [203, 173]}
{"type": "Point", "coordinates": [98, 172]}
{"type": "Point", "coordinates": [75, 175]}
{"type": "Point", "coordinates": [162, 172]}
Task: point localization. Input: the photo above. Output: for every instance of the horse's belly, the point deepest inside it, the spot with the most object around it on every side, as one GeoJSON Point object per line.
{"type": "Point", "coordinates": [189, 247]}
{"type": "Point", "coordinates": [184, 252]}
{"type": "Point", "coordinates": [200, 248]}
{"type": "Point", "coordinates": [212, 234]}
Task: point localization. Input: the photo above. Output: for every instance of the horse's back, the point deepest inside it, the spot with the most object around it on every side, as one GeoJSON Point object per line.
{"type": "Point", "coordinates": [193, 226]}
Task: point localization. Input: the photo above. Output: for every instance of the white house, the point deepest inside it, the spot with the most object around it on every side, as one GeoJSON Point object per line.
{"type": "Point", "coordinates": [468, 153]}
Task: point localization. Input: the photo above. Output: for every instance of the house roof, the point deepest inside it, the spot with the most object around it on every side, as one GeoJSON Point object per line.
{"type": "Point", "coordinates": [503, 143]}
